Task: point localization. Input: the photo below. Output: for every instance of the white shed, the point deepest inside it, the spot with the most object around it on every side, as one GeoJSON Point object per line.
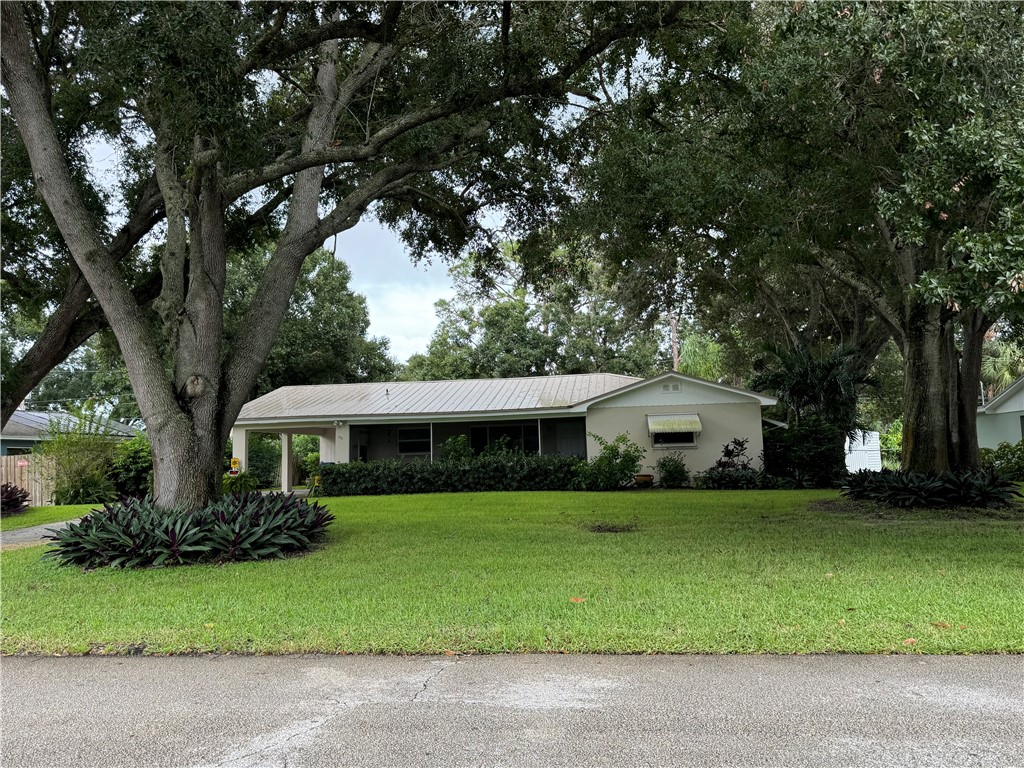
{"type": "Point", "coordinates": [864, 452]}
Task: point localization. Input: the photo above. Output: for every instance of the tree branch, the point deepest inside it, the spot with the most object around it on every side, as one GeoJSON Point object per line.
{"type": "Point", "coordinates": [61, 336]}
{"type": "Point", "coordinates": [263, 319]}
{"type": "Point", "coordinates": [25, 90]}
{"type": "Point", "coordinates": [240, 184]}
{"type": "Point", "coordinates": [264, 53]}
{"type": "Point", "coordinates": [174, 257]}
{"type": "Point", "coordinates": [416, 197]}
{"type": "Point", "coordinates": [873, 296]}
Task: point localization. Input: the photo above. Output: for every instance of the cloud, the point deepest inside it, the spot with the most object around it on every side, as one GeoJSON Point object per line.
{"type": "Point", "coordinates": [404, 313]}
{"type": "Point", "coordinates": [399, 295]}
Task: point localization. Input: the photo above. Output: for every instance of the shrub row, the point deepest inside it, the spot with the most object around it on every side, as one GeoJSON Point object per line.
{"type": "Point", "coordinates": [132, 467]}
{"type": "Point", "coordinates": [498, 471]}
{"type": "Point", "coordinates": [135, 533]}
{"type": "Point", "coordinates": [925, 489]}
{"type": "Point", "coordinates": [672, 470]}
{"type": "Point", "coordinates": [243, 482]}
{"type": "Point", "coordinates": [741, 479]}
{"type": "Point", "coordinates": [734, 471]}
{"type": "Point", "coordinates": [1006, 460]}
{"type": "Point", "coordinates": [614, 467]}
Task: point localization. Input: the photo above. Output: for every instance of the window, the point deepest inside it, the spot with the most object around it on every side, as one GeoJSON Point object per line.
{"type": "Point", "coordinates": [673, 430]}
{"type": "Point", "coordinates": [674, 438]}
{"type": "Point", "coordinates": [516, 437]}
{"type": "Point", "coordinates": [413, 440]}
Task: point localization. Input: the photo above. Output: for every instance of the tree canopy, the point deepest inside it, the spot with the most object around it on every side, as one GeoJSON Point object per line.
{"type": "Point", "coordinates": [285, 122]}
{"type": "Point", "coordinates": [506, 322]}
{"type": "Point", "coordinates": [847, 172]}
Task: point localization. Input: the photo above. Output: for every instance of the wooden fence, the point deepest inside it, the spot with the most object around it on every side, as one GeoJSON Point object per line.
{"type": "Point", "coordinates": [31, 473]}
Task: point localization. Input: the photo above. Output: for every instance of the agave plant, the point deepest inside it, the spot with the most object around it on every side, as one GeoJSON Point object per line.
{"type": "Point", "coordinates": [13, 500]}
{"type": "Point", "coordinates": [136, 533]}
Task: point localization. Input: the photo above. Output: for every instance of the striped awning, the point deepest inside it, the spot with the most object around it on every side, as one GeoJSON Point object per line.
{"type": "Point", "coordinates": [659, 423]}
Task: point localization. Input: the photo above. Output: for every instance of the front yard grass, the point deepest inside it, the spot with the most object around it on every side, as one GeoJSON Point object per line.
{"type": "Point", "coordinates": [717, 572]}
{"type": "Point", "coordinates": [43, 515]}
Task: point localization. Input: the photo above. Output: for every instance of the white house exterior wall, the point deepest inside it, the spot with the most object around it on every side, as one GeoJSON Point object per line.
{"type": "Point", "coordinates": [1002, 419]}
{"type": "Point", "coordinates": [1002, 427]}
{"type": "Point", "coordinates": [689, 392]}
{"type": "Point", "coordinates": [864, 452]}
{"type": "Point", "coordinates": [721, 422]}
{"type": "Point", "coordinates": [1013, 403]}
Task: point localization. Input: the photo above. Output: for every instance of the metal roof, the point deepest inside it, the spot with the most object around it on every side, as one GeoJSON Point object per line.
{"type": "Point", "coordinates": [33, 425]}
{"type": "Point", "coordinates": [994, 405]}
{"type": "Point", "coordinates": [675, 375]}
{"type": "Point", "coordinates": [420, 398]}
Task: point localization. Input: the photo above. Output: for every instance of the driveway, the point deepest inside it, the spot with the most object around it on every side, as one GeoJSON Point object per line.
{"type": "Point", "coordinates": [36, 534]}
{"type": "Point", "coordinates": [537, 710]}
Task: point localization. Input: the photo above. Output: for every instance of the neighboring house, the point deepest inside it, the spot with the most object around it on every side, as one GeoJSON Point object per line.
{"type": "Point", "coordinates": [547, 414]}
{"type": "Point", "coordinates": [1001, 420]}
{"type": "Point", "coordinates": [27, 428]}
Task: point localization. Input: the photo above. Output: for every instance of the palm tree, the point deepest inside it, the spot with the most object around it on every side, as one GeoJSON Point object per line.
{"type": "Point", "coordinates": [1002, 363]}
{"type": "Point", "coordinates": [823, 385]}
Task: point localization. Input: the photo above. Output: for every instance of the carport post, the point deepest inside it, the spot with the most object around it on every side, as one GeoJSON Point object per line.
{"type": "Point", "coordinates": [342, 449]}
{"type": "Point", "coordinates": [240, 447]}
{"type": "Point", "coordinates": [286, 462]}
{"type": "Point", "coordinates": [327, 446]}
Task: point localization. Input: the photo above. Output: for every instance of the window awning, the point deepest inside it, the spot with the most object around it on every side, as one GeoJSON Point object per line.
{"type": "Point", "coordinates": [660, 423]}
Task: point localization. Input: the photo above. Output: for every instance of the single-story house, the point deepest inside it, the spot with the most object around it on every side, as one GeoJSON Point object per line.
{"type": "Point", "coordinates": [27, 428]}
{"type": "Point", "coordinates": [1001, 420]}
{"type": "Point", "coordinates": [410, 420]}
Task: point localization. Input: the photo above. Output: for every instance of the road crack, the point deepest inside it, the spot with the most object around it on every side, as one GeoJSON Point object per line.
{"type": "Point", "coordinates": [280, 741]}
{"type": "Point", "coordinates": [442, 667]}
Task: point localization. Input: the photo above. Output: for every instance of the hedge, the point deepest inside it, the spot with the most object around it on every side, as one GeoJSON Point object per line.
{"type": "Point", "coordinates": [494, 471]}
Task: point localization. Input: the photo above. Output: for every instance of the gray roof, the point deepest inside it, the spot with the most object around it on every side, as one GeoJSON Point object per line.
{"type": "Point", "coordinates": [419, 398]}
{"type": "Point", "coordinates": [33, 425]}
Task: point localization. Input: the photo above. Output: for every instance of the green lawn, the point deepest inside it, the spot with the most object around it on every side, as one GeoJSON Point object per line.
{"type": "Point", "coordinates": [43, 515]}
{"type": "Point", "coordinates": [703, 571]}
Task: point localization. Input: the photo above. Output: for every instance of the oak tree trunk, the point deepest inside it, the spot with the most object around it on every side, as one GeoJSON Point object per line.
{"type": "Point", "coordinates": [926, 388]}
{"type": "Point", "coordinates": [975, 324]}
{"type": "Point", "coordinates": [187, 467]}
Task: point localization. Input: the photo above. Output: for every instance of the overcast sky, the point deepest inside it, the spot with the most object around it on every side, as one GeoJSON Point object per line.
{"type": "Point", "coordinates": [400, 296]}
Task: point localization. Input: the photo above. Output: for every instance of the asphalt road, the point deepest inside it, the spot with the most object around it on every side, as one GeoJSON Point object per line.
{"type": "Point", "coordinates": [536, 710]}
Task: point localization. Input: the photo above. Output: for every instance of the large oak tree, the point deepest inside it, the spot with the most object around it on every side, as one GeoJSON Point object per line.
{"type": "Point", "coordinates": [846, 170]}
{"type": "Point", "coordinates": [290, 119]}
